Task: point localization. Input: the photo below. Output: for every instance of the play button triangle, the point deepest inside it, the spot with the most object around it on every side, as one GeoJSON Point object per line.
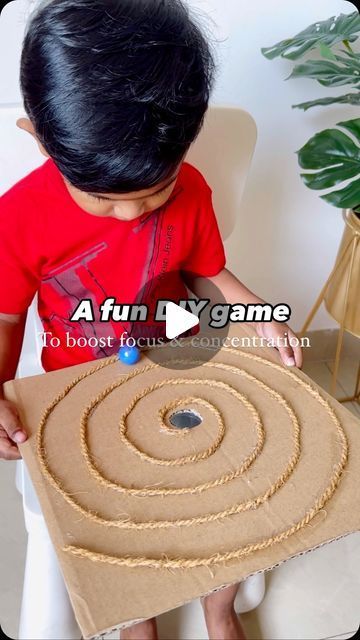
{"type": "Point", "coordinates": [178, 320]}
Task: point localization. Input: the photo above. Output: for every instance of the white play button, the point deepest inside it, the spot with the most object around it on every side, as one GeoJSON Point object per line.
{"type": "Point", "coordinates": [178, 320]}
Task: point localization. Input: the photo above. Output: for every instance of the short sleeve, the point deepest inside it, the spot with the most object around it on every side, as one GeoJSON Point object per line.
{"type": "Point", "coordinates": [19, 269]}
{"type": "Point", "coordinates": [207, 256]}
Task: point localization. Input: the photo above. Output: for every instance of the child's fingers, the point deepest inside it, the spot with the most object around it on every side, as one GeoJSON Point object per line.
{"type": "Point", "coordinates": [12, 453]}
{"type": "Point", "coordinates": [296, 349]}
{"type": "Point", "coordinates": [287, 356]}
{"type": "Point", "coordinates": [8, 450]}
{"type": "Point", "coordinates": [10, 422]}
{"type": "Point", "coordinates": [298, 355]}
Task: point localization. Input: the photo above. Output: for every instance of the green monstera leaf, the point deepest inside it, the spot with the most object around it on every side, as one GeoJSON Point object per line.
{"type": "Point", "coordinates": [337, 72]}
{"type": "Point", "coordinates": [332, 157]}
{"type": "Point", "coordinates": [343, 28]}
{"type": "Point", "coordinates": [334, 71]}
{"type": "Point", "coordinates": [348, 98]}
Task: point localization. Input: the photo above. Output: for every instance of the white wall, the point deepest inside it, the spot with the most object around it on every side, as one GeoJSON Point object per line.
{"type": "Point", "coordinates": [289, 237]}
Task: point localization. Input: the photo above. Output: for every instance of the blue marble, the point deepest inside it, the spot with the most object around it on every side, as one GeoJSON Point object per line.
{"type": "Point", "coordinates": [129, 355]}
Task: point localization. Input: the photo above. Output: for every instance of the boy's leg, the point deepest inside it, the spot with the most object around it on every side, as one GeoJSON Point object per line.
{"type": "Point", "coordinates": [142, 631]}
{"type": "Point", "coordinates": [221, 620]}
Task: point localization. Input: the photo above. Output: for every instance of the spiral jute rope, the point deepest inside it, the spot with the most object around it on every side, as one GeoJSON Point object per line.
{"type": "Point", "coordinates": [127, 523]}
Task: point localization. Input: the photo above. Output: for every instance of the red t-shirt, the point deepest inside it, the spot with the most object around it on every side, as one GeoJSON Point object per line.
{"type": "Point", "coordinates": [49, 245]}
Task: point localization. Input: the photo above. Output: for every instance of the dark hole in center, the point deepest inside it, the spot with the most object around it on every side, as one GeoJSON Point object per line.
{"type": "Point", "coordinates": [185, 419]}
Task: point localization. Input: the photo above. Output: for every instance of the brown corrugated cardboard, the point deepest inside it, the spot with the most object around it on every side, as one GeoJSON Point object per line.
{"type": "Point", "coordinates": [313, 471]}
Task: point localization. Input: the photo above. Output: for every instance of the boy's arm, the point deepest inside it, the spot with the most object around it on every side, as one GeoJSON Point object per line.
{"type": "Point", "coordinates": [12, 329]}
{"type": "Point", "coordinates": [235, 292]}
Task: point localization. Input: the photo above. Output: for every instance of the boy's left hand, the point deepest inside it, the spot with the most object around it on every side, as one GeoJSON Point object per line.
{"type": "Point", "coordinates": [291, 356]}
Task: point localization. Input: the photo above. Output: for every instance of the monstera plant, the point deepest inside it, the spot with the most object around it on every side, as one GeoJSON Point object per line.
{"type": "Point", "coordinates": [331, 158]}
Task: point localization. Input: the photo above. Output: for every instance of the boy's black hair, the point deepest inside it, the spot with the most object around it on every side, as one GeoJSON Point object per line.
{"type": "Point", "coordinates": [117, 90]}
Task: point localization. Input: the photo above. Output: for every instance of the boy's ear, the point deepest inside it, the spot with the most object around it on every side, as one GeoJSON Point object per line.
{"type": "Point", "coordinates": [27, 125]}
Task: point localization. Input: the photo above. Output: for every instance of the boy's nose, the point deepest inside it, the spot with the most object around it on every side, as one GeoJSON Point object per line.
{"type": "Point", "coordinates": [128, 210]}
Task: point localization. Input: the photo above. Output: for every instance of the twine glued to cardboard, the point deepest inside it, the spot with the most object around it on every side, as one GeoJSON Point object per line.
{"type": "Point", "coordinates": [232, 510]}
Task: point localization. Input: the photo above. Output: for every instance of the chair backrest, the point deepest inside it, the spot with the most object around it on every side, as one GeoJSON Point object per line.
{"type": "Point", "coordinates": [18, 152]}
{"type": "Point", "coordinates": [222, 152]}
{"type": "Point", "coordinates": [18, 156]}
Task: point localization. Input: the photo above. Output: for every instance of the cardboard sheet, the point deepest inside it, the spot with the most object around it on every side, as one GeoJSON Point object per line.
{"type": "Point", "coordinates": [145, 517]}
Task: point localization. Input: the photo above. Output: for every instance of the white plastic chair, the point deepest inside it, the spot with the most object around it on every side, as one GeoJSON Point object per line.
{"type": "Point", "coordinates": [46, 611]}
{"type": "Point", "coordinates": [223, 153]}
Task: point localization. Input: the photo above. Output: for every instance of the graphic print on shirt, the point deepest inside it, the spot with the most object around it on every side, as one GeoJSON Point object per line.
{"type": "Point", "coordinates": [67, 282]}
{"type": "Point", "coordinates": [147, 290]}
{"type": "Point", "coordinates": [78, 279]}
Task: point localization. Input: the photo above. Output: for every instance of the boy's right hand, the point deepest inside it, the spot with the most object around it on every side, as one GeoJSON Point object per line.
{"type": "Point", "coordinates": [11, 431]}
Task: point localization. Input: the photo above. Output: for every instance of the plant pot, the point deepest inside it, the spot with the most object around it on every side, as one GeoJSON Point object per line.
{"type": "Point", "coordinates": [341, 286]}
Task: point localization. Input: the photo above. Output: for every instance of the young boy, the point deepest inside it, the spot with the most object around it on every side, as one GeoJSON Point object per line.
{"type": "Point", "coordinates": [115, 92]}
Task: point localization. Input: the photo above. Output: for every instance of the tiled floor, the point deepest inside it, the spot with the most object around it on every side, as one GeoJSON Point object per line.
{"type": "Point", "coordinates": [311, 597]}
